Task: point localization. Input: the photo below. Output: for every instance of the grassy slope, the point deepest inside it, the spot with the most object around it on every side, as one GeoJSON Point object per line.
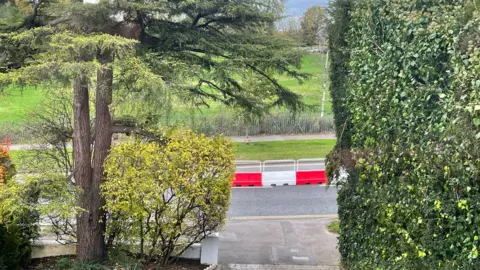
{"type": "Point", "coordinates": [14, 101]}
{"type": "Point", "coordinates": [311, 90]}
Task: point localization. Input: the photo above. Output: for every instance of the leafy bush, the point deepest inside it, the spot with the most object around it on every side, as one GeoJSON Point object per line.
{"type": "Point", "coordinates": [86, 265]}
{"type": "Point", "coordinates": [7, 167]}
{"type": "Point", "coordinates": [123, 260]}
{"type": "Point", "coordinates": [15, 248]}
{"type": "Point", "coordinates": [413, 93]}
{"type": "Point", "coordinates": [63, 263]}
{"type": "Point", "coordinates": [21, 208]}
{"type": "Point", "coordinates": [48, 195]}
{"type": "Point", "coordinates": [18, 223]}
{"type": "Point", "coordinates": [164, 198]}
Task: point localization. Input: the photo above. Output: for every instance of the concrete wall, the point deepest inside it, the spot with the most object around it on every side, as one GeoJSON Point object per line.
{"type": "Point", "coordinates": [206, 251]}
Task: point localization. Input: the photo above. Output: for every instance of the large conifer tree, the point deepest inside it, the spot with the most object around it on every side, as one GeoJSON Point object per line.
{"type": "Point", "coordinates": [197, 48]}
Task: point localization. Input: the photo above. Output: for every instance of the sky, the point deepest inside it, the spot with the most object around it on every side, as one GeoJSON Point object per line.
{"type": "Point", "coordinates": [298, 7]}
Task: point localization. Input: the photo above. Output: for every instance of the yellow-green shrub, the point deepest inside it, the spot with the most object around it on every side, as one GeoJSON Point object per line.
{"type": "Point", "coordinates": [164, 198]}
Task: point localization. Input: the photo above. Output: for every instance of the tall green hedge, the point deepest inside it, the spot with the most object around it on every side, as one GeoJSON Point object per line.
{"type": "Point", "coordinates": [337, 30]}
{"type": "Point", "coordinates": [413, 95]}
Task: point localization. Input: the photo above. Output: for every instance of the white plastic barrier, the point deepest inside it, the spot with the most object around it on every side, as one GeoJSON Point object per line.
{"type": "Point", "coordinates": [279, 173]}
{"type": "Point", "coordinates": [313, 164]}
{"type": "Point", "coordinates": [248, 166]}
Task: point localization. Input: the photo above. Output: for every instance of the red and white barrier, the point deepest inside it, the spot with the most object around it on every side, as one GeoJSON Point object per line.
{"type": "Point", "coordinates": [247, 180]}
{"type": "Point", "coordinates": [280, 173]}
{"type": "Point", "coordinates": [311, 172]}
{"type": "Point", "coordinates": [248, 174]}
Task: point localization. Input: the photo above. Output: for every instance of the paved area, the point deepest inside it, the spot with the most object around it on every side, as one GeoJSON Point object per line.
{"type": "Point", "coordinates": [285, 242]}
{"type": "Point", "coordinates": [330, 136]}
{"type": "Point", "coordinates": [275, 267]}
{"type": "Point", "coordinates": [283, 201]}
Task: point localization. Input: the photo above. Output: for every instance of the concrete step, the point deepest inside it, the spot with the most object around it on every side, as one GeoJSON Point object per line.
{"type": "Point", "coordinates": [276, 267]}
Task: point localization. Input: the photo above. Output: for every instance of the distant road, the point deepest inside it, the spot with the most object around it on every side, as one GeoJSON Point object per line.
{"type": "Point", "coordinates": [275, 138]}
{"type": "Point", "coordinates": [283, 201]}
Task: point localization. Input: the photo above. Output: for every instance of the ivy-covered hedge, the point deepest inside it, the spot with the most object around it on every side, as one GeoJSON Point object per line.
{"type": "Point", "coordinates": [337, 31]}
{"type": "Point", "coordinates": [412, 200]}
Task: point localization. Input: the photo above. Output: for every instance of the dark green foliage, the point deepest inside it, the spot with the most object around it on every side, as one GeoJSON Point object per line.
{"type": "Point", "coordinates": [18, 224]}
{"type": "Point", "coordinates": [15, 247]}
{"type": "Point", "coordinates": [339, 54]}
{"type": "Point", "coordinates": [70, 264]}
{"type": "Point", "coordinates": [413, 96]}
{"type": "Point", "coordinates": [63, 263]}
{"type": "Point", "coordinates": [199, 50]}
{"type": "Point", "coordinates": [223, 45]}
{"type": "Point", "coordinates": [86, 265]}
{"type": "Point", "coordinates": [337, 37]}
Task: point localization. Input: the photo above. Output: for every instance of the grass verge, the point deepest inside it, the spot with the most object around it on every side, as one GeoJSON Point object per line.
{"type": "Point", "coordinates": [29, 159]}
{"type": "Point", "coordinates": [334, 227]}
{"type": "Point", "coordinates": [252, 151]}
{"type": "Point", "coordinates": [283, 150]}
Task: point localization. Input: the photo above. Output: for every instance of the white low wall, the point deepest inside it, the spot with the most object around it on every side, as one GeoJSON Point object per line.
{"type": "Point", "coordinates": [206, 251]}
{"type": "Point", "coordinates": [50, 248]}
{"type": "Point", "coordinates": [193, 252]}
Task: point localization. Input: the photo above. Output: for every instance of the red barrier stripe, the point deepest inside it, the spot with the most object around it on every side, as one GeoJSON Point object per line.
{"type": "Point", "coordinates": [247, 180]}
{"type": "Point", "coordinates": [311, 178]}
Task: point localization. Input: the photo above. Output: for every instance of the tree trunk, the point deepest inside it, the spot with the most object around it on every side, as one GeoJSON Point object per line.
{"type": "Point", "coordinates": [91, 226]}
{"type": "Point", "coordinates": [83, 166]}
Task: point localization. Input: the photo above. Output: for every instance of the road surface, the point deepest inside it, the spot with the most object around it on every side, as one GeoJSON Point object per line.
{"type": "Point", "coordinates": [276, 138]}
{"type": "Point", "coordinates": [283, 201]}
{"type": "Point", "coordinates": [286, 200]}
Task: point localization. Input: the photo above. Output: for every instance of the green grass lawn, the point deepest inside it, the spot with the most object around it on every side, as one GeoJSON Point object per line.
{"type": "Point", "coordinates": [27, 159]}
{"type": "Point", "coordinates": [283, 150]}
{"type": "Point", "coordinates": [311, 90]}
{"type": "Point", "coordinates": [14, 101]}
